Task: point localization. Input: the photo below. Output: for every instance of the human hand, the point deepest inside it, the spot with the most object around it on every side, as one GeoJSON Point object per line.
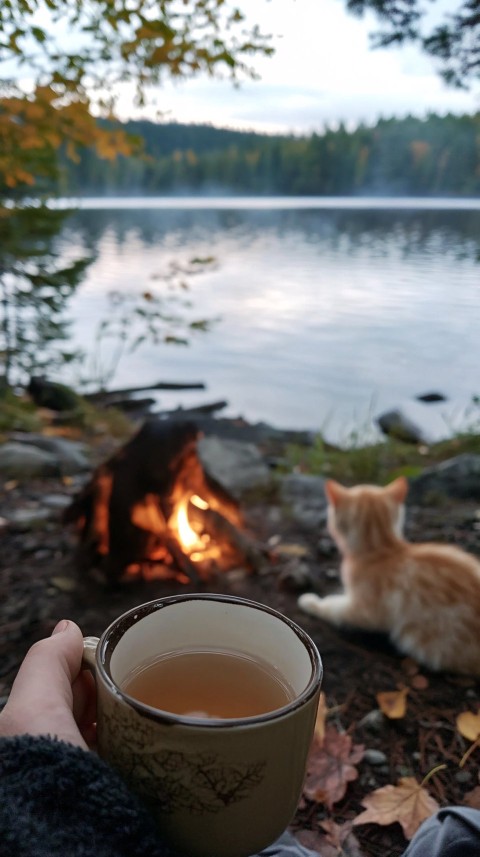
{"type": "Point", "coordinates": [51, 695]}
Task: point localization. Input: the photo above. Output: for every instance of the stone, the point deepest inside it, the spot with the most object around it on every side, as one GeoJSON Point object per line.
{"type": "Point", "coordinates": [457, 478]}
{"type": "Point", "coordinates": [19, 461]}
{"type": "Point", "coordinates": [236, 465]}
{"type": "Point", "coordinates": [332, 573]}
{"type": "Point", "coordinates": [70, 455]}
{"type": "Point", "coordinates": [326, 547]}
{"type": "Point", "coordinates": [463, 776]}
{"type": "Point", "coordinates": [395, 424]}
{"type": "Point", "coordinates": [375, 757]}
{"type": "Point", "coordinates": [373, 721]}
{"type": "Point", "coordinates": [56, 501]}
{"type": "Point", "coordinates": [295, 575]}
{"type": "Point", "coordinates": [304, 495]}
{"type": "Point", "coordinates": [28, 519]}
{"type": "Point", "coordinates": [431, 397]}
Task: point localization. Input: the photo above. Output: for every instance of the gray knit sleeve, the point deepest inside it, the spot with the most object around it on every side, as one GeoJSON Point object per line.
{"type": "Point", "coordinates": [57, 800]}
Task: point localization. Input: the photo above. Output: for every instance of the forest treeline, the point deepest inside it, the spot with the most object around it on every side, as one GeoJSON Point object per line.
{"type": "Point", "coordinates": [438, 156]}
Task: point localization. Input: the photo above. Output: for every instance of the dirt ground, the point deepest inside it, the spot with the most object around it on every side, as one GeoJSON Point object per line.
{"type": "Point", "coordinates": [39, 584]}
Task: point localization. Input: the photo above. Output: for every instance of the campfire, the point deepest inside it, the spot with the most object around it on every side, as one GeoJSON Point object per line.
{"type": "Point", "coordinates": [153, 511]}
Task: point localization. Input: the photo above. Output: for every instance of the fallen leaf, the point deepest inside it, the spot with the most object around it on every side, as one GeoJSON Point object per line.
{"type": "Point", "coordinates": [65, 584]}
{"type": "Point", "coordinates": [419, 682]}
{"type": "Point", "coordinates": [468, 724]}
{"type": "Point", "coordinates": [331, 767]}
{"type": "Point", "coordinates": [409, 666]}
{"type": "Point", "coordinates": [472, 798]}
{"type": "Point", "coordinates": [319, 733]}
{"type": "Point", "coordinates": [393, 703]}
{"type": "Point", "coordinates": [408, 803]}
{"type": "Point", "coordinates": [291, 550]}
{"type": "Point", "coordinates": [332, 840]}
{"type": "Point", "coordinates": [314, 840]}
{"type": "Point", "coordinates": [341, 837]}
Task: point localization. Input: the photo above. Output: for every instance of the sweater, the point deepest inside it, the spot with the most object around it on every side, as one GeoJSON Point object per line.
{"type": "Point", "coordinates": [57, 800]}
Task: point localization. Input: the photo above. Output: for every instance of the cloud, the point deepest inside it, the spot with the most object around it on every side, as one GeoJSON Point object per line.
{"type": "Point", "coordinates": [324, 71]}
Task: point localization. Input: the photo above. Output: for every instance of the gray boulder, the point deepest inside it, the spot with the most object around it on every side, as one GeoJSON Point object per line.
{"type": "Point", "coordinates": [457, 478]}
{"type": "Point", "coordinates": [70, 455]}
{"type": "Point", "coordinates": [395, 424]}
{"type": "Point", "coordinates": [19, 461]}
{"type": "Point", "coordinates": [236, 465]}
{"type": "Point", "coordinates": [304, 496]}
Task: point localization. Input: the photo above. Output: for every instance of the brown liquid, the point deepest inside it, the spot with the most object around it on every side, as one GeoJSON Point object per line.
{"type": "Point", "coordinates": [204, 684]}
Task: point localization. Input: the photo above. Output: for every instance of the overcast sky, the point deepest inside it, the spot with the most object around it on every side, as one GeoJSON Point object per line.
{"type": "Point", "coordinates": [323, 71]}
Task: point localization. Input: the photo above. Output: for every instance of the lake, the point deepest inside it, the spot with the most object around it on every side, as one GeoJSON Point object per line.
{"type": "Point", "coordinates": [328, 311]}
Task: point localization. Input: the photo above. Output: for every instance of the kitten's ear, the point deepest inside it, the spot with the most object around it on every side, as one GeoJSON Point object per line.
{"type": "Point", "coordinates": [334, 491]}
{"type": "Point", "coordinates": [398, 489]}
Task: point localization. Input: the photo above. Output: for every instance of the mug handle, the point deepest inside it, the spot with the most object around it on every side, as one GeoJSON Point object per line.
{"type": "Point", "coordinates": [89, 653]}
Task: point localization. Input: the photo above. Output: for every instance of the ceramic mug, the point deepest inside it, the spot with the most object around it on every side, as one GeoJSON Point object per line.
{"type": "Point", "coordinates": [218, 787]}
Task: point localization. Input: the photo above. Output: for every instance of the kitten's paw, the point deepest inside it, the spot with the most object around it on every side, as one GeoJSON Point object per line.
{"type": "Point", "coordinates": [310, 603]}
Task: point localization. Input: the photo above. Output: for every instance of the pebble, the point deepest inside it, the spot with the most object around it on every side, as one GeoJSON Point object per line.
{"type": "Point", "coordinates": [374, 720]}
{"type": "Point", "coordinates": [463, 776]}
{"type": "Point", "coordinates": [56, 501]}
{"type": "Point", "coordinates": [235, 575]}
{"type": "Point", "coordinates": [332, 574]}
{"type": "Point", "coordinates": [375, 757]}
{"type": "Point", "coordinates": [326, 547]}
{"type": "Point", "coordinates": [25, 519]}
{"type": "Point", "coordinates": [295, 575]}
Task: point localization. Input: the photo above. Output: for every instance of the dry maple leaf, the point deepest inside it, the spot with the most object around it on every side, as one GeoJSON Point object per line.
{"type": "Point", "coordinates": [333, 840]}
{"type": "Point", "coordinates": [408, 803]}
{"type": "Point", "coordinates": [331, 767]}
{"type": "Point", "coordinates": [340, 836]}
{"type": "Point", "coordinates": [472, 799]}
{"type": "Point", "coordinates": [468, 724]}
{"type": "Point", "coordinates": [393, 703]}
{"type": "Point", "coordinates": [419, 682]}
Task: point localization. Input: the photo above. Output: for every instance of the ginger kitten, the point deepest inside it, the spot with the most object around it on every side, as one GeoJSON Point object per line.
{"type": "Point", "coordinates": [425, 596]}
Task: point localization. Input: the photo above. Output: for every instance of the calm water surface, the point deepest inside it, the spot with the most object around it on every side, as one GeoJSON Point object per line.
{"type": "Point", "coordinates": [329, 311]}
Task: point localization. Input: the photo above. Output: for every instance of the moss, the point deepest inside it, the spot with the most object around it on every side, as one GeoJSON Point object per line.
{"type": "Point", "coordinates": [19, 413]}
{"type": "Point", "coordinates": [377, 463]}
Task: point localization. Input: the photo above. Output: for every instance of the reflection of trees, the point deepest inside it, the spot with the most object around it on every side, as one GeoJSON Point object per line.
{"type": "Point", "coordinates": [197, 782]}
{"type": "Point", "coordinates": [411, 230]}
{"type": "Point", "coordinates": [36, 284]}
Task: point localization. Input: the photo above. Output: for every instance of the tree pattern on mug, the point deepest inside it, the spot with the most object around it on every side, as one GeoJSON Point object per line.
{"type": "Point", "coordinates": [175, 780]}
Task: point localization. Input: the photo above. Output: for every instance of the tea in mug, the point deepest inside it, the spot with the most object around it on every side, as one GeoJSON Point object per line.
{"type": "Point", "coordinates": [209, 684]}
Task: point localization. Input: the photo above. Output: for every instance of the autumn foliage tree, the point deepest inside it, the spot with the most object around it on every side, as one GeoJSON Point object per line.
{"type": "Point", "coordinates": [61, 63]}
{"type": "Point", "coordinates": [76, 53]}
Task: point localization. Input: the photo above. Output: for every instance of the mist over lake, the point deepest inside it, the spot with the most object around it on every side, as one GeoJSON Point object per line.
{"type": "Point", "coordinates": [328, 312]}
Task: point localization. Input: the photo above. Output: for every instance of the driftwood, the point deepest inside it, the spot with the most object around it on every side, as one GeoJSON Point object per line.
{"type": "Point", "coordinates": [128, 405]}
{"type": "Point", "coordinates": [102, 395]}
{"type": "Point", "coordinates": [208, 408]}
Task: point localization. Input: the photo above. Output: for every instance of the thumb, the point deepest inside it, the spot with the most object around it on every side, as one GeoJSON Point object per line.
{"type": "Point", "coordinates": [41, 700]}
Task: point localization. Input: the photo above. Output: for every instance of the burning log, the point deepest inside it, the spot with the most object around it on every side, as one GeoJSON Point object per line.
{"type": "Point", "coordinates": [221, 530]}
{"type": "Point", "coordinates": [152, 510]}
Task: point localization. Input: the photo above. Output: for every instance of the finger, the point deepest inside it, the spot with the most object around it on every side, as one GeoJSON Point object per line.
{"type": "Point", "coordinates": [85, 702]}
{"type": "Point", "coordinates": [41, 699]}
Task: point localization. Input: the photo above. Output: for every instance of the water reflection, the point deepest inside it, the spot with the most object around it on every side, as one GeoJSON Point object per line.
{"type": "Point", "coordinates": [323, 311]}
